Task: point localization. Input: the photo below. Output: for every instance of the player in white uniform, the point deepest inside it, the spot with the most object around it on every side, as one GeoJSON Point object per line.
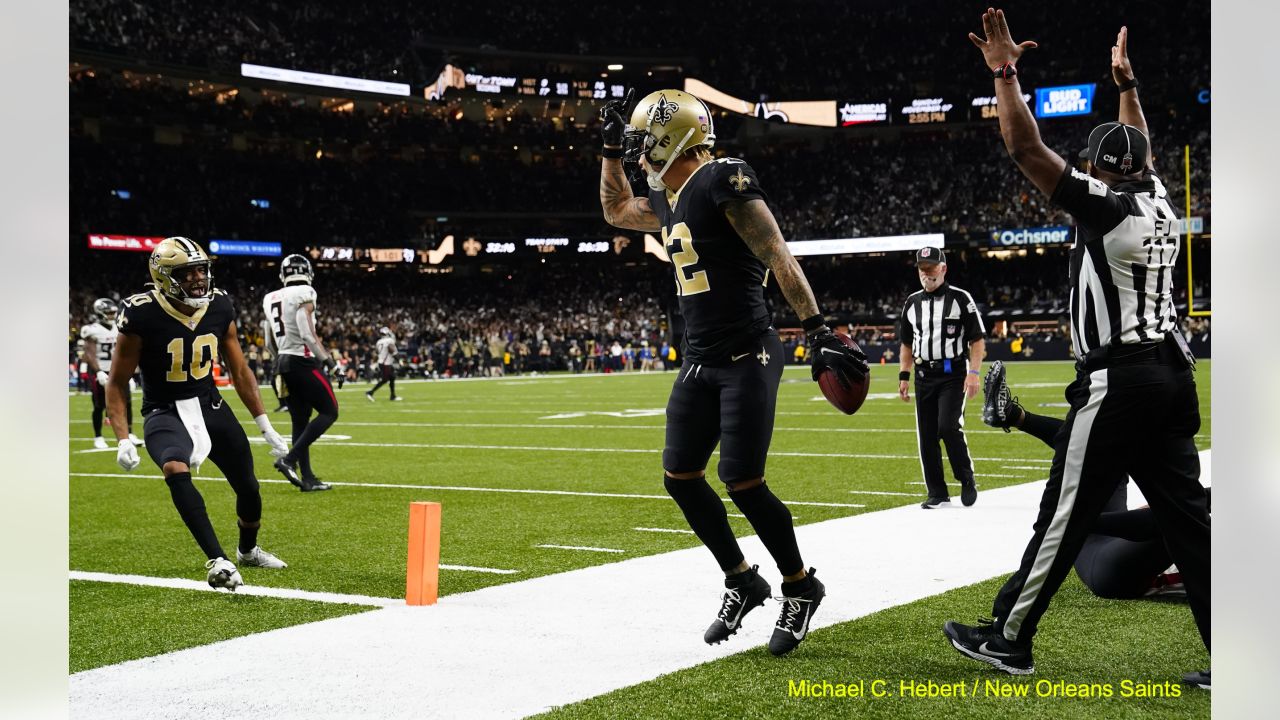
{"type": "Point", "coordinates": [386, 349]}
{"type": "Point", "coordinates": [99, 339]}
{"type": "Point", "coordinates": [303, 366]}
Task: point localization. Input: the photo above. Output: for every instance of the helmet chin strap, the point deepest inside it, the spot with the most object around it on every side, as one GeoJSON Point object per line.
{"type": "Point", "coordinates": [655, 181]}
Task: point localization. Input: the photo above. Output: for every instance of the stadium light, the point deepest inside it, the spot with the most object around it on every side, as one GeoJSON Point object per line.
{"type": "Point", "coordinates": [615, 66]}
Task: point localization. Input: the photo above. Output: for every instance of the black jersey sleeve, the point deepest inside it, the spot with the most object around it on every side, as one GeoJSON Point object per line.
{"type": "Point", "coordinates": [132, 316]}
{"type": "Point", "coordinates": [1089, 201]}
{"type": "Point", "coordinates": [734, 180]}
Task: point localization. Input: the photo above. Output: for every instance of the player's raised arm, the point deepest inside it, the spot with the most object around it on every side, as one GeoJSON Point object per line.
{"type": "Point", "coordinates": [621, 208]}
{"type": "Point", "coordinates": [1042, 166]}
{"type": "Point", "coordinates": [1122, 74]}
{"type": "Point", "coordinates": [755, 224]}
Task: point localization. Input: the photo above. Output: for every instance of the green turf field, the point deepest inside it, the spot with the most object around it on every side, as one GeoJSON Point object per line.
{"type": "Point", "coordinates": [1087, 641]}
{"type": "Point", "coordinates": [489, 451]}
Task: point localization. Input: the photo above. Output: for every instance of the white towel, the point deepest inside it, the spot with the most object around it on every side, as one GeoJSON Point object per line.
{"type": "Point", "coordinates": [193, 419]}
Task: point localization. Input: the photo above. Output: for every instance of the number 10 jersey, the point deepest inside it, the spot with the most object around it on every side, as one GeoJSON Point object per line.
{"type": "Point", "coordinates": [178, 352]}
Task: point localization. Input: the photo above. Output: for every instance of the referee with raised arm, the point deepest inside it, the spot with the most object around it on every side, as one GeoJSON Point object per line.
{"type": "Point", "coordinates": [943, 338]}
{"type": "Point", "coordinates": [1133, 405]}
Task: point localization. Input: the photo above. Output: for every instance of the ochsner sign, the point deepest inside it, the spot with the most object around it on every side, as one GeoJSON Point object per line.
{"type": "Point", "coordinates": [1030, 236]}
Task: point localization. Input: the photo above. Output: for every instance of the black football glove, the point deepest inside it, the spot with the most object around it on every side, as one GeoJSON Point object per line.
{"type": "Point", "coordinates": [849, 363]}
{"type": "Point", "coordinates": [614, 123]}
{"type": "Point", "coordinates": [328, 365]}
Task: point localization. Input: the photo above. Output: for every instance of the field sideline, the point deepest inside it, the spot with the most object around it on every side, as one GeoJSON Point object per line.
{"type": "Point", "coordinates": [537, 477]}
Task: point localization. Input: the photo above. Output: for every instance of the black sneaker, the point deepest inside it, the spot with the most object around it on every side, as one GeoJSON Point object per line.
{"type": "Point", "coordinates": [286, 468]}
{"type": "Point", "coordinates": [797, 610]}
{"type": "Point", "coordinates": [743, 593]}
{"type": "Point", "coordinates": [986, 644]}
{"type": "Point", "coordinates": [1199, 678]}
{"type": "Point", "coordinates": [313, 484]}
{"type": "Point", "coordinates": [997, 407]}
{"type": "Point", "coordinates": [968, 493]}
{"type": "Point", "coordinates": [934, 502]}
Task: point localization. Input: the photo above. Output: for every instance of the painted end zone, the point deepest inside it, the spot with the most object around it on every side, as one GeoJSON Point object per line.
{"type": "Point", "coordinates": [422, 577]}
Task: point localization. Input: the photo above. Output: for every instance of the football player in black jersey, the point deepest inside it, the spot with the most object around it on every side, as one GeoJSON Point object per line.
{"type": "Point", "coordinates": [175, 333]}
{"type": "Point", "coordinates": [723, 243]}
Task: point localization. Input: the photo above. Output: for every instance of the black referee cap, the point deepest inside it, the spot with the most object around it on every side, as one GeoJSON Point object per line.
{"type": "Point", "coordinates": [1117, 148]}
{"type": "Point", "coordinates": [931, 255]}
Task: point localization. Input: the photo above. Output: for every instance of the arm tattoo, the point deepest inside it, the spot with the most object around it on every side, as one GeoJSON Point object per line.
{"type": "Point", "coordinates": [621, 208]}
{"type": "Point", "coordinates": [755, 224]}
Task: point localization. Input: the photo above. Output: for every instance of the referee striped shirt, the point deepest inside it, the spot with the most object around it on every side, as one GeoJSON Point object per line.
{"type": "Point", "coordinates": [1122, 261]}
{"type": "Point", "coordinates": [941, 324]}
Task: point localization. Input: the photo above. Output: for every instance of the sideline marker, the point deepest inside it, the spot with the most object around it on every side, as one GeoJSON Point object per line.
{"type": "Point", "coordinates": [422, 579]}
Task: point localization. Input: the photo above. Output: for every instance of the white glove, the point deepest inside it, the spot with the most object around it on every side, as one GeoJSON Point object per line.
{"type": "Point", "coordinates": [278, 447]}
{"type": "Point", "coordinates": [127, 455]}
{"type": "Point", "coordinates": [102, 378]}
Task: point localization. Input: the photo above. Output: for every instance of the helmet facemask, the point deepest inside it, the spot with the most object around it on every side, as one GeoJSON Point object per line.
{"type": "Point", "coordinates": [661, 129]}
{"type": "Point", "coordinates": [173, 279]}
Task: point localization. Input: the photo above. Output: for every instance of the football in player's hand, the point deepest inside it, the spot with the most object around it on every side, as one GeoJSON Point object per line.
{"type": "Point", "coordinates": [846, 400]}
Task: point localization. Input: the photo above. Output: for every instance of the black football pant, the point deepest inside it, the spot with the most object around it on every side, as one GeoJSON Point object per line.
{"type": "Point", "coordinates": [99, 393]}
{"type": "Point", "coordinates": [940, 402]}
{"type": "Point", "coordinates": [1128, 420]}
{"type": "Point", "coordinates": [308, 390]}
{"type": "Point", "coordinates": [732, 406]}
{"type": "Point", "coordinates": [1124, 551]}
{"type": "Point", "coordinates": [388, 376]}
{"type": "Point", "coordinates": [168, 440]}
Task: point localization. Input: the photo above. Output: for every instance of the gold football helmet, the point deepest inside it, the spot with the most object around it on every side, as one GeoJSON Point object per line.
{"type": "Point", "coordinates": [663, 125]}
{"type": "Point", "coordinates": [171, 261]}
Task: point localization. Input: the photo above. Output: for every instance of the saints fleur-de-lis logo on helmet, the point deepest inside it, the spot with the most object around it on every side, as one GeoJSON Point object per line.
{"type": "Point", "coordinates": [663, 110]}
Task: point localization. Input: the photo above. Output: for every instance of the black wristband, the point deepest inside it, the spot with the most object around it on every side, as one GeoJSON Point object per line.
{"type": "Point", "coordinates": [1129, 84]}
{"type": "Point", "coordinates": [611, 153]}
{"type": "Point", "coordinates": [1004, 71]}
{"type": "Point", "coordinates": [904, 375]}
{"type": "Point", "coordinates": [812, 324]}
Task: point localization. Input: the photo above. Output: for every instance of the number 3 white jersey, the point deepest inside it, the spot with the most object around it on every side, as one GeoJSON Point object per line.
{"type": "Point", "coordinates": [106, 339]}
{"type": "Point", "coordinates": [281, 308]}
{"type": "Point", "coordinates": [386, 350]}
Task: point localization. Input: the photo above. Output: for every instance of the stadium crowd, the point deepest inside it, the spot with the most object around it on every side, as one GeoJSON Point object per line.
{"type": "Point", "coordinates": [351, 176]}
{"type": "Point", "coordinates": [155, 156]}
{"type": "Point", "coordinates": [760, 48]}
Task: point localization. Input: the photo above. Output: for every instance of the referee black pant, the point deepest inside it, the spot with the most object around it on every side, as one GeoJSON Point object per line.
{"type": "Point", "coordinates": [940, 404]}
{"type": "Point", "coordinates": [1137, 420]}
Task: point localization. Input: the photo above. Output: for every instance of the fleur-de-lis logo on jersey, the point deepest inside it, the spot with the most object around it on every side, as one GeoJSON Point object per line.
{"type": "Point", "coordinates": [663, 110]}
{"type": "Point", "coordinates": [739, 181]}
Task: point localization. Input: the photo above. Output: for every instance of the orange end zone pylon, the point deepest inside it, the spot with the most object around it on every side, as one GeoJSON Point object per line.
{"type": "Point", "coordinates": [422, 580]}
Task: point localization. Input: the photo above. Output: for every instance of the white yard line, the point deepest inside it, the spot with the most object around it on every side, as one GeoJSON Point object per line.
{"type": "Point", "coordinates": [665, 530]}
{"type": "Point", "coordinates": [562, 638]}
{"type": "Point", "coordinates": [881, 492]}
{"type": "Point", "coordinates": [584, 548]}
{"type": "Point", "coordinates": [458, 488]}
{"type": "Point", "coordinates": [259, 590]}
